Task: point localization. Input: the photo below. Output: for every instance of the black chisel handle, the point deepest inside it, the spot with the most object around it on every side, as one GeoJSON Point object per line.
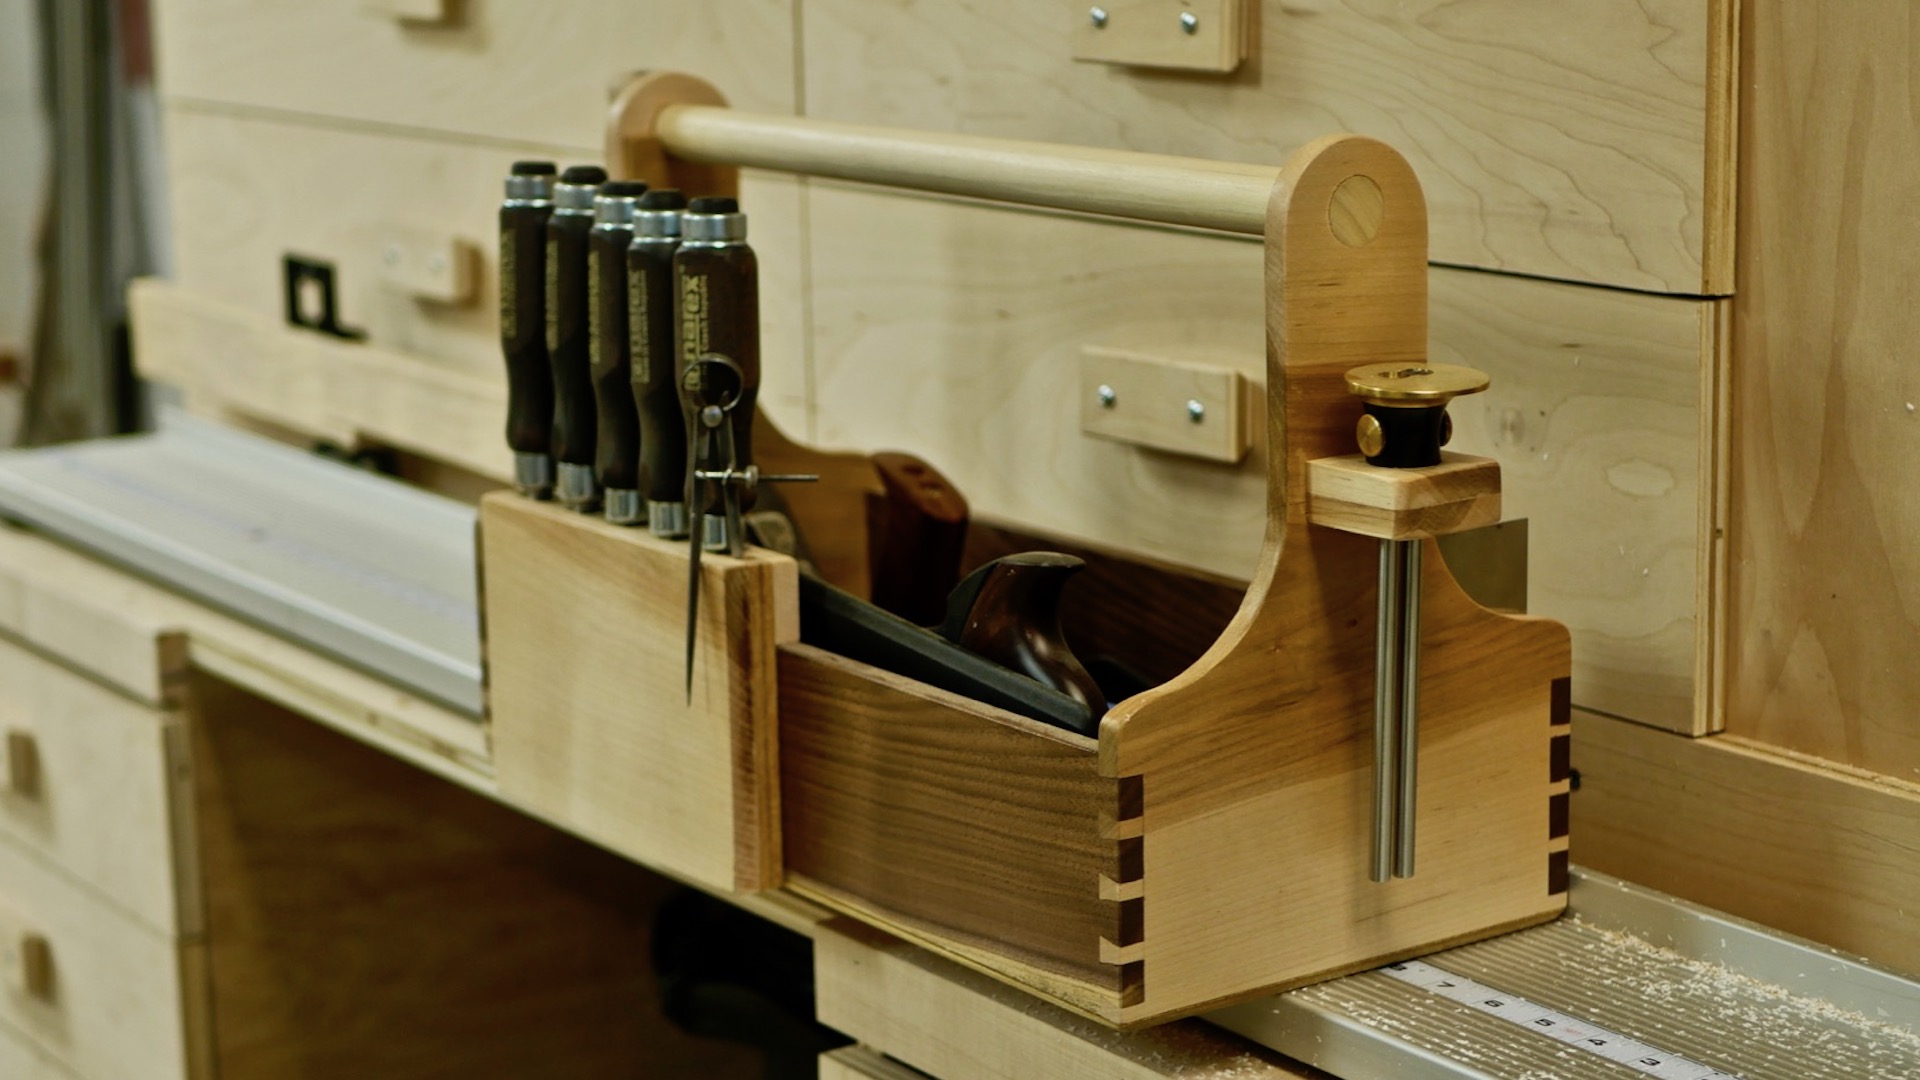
{"type": "Point", "coordinates": [523, 318]}
{"type": "Point", "coordinates": [717, 279]}
{"type": "Point", "coordinates": [616, 460]}
{"type": "Point", "coordinates": [656, 390]}
{"type": "Point", "coordinates": [568, 331]}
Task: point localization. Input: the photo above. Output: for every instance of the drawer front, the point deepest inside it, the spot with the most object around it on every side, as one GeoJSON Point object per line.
{"type": "Point", "coordinates": [524, 71]}
{"type": "Point", "coordinates": [246, 192]}
{"type": "Point", "coordinates": [84, 982]}
{"type": "Point", "coordinates": [1596, 412]}
{"type": "Point", "coordinates": [89, 784]}
{"type": "Point", "coordinates": [21, 1060]}
{"type": "Point", "coordinates": [860, 1063]}
{"type": "Point", "coordinates": [1571, 141]}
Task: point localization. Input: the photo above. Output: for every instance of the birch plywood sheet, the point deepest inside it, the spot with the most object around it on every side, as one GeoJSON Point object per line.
{"type": "Point", "coordinates": [1588, 142]}
{"type": "Point", "coordinates": [502, 70]}
{"type": "Point", "coordinates": [941, 1017]}
{"type": "Point", "coordinates": [1824, 612]}
{"type": "Point", "coordinates": [247, 191]}
{"type": "Point", "coordinates": [955, 331]}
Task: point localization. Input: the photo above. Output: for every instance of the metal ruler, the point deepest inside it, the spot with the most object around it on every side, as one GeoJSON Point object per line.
{"type": "Point", "coordinates": [1539, 1020]}
{"type": "Point", "coordinates": [1631, 984]}
{"type": "Point", "coordinates": [344, 561]}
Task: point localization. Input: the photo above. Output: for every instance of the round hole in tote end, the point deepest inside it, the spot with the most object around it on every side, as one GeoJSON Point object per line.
{"type": "Point", "coordinates": [1356, 210]}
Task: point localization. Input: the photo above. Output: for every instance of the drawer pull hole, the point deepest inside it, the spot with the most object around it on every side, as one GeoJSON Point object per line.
{"type": "Point", "coordinates": [36, 966]}
{"type": "Point", "coordinates": [23, 764]}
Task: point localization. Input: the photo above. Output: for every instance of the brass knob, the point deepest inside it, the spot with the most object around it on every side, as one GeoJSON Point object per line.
{"type": "Point", "coordinates": [1413, 386]}
{"type": "Point", "coordinates": [1406, 422]}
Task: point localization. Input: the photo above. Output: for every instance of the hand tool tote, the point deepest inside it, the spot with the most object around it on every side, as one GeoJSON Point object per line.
{"type": "Point", "coordinates": [1218, 839]}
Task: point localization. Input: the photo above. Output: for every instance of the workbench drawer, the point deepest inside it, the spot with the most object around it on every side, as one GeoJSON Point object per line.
{"type": "Point", "coordinates": [514, 70]}
{"type": "Point", "coordinates": [248, 192]}
{"type": "Point", "coordinates": [93, 783]}
{"type": "Point", "coordinates": [105, 994]}
{"type": "Point", "coordinates": [1586, 141]}
{"type": "Point", "coordinates": [21, 1060]}
{"type": "Point", "coordinates": [1602, 411]}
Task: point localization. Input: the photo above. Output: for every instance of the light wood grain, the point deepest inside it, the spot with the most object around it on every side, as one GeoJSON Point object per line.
{"type": "Point", "coordinates": [1460, 493]}
{"type": "Point", "coordinates": [228, 358]}
{"type": "Point", "coordinates": [1566, 142]}
{"type": "Point", "coordinates": [1151, 33]}
{"type": "Point", "coordinates": [592, 724]}
{"type": "Point", "coordinates": [413, 11]}
{"type": "Point", "coordinates": [1814, 849]}
{"type": "Point", "coordinates": [103, 808]}
{"type": "Point", "coordinates": [366, 919]}
{"type": "Point", "coordinates": [1603, 418]}
{"type": "Point", "coordinates": [951, 1022]}
{"type": "Point", "coordinates": [245, 192]}
{"type": "Point", "coordinates": [426, 266]}
{"type": "Point", "coordinates": [634, 149]}
{"type": "Point", "coordinates": [1296, 730]}
{"type": "Point", "coordinates": [1825, 589]}
{"type": "Point", "coordinates": [115, 1006]}
{"type": "Point", "coordinates": [902, 853]}
{"type": "Point", "coordinates": [1199, 192]}
{"type": "Point", "coordinates": [962, 822]}
{"type": "Point", "coordinates": [509, 70]}
{"type": "Point", "coordinates": [21, 1060]}
{"type": "Point", "coordinates": [140, 639]}
{"type": "Point", "coordinates": [860, 1063]}
{"type": "Point", "coordinates": [89, 625]}
{"type": "Point", "coordinates": [1148, 401]}
{"type": "Point", "coordinates": [107, 623]}
{"type": "Point", "coordinates": [955, 331]}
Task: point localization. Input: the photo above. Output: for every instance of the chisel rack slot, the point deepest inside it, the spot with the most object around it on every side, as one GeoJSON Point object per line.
{"type": "Point", "coordinates": [1212, 843]}
{"type": "Point", "coordinates": [590, 718]}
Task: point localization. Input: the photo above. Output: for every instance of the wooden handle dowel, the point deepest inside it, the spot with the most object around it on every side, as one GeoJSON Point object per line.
{"type": "Point", "coordinates": [1227, 196]}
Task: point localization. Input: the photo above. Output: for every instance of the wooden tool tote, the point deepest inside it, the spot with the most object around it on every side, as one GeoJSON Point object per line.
{"type": "Point", "coordinates": [1213, 842]}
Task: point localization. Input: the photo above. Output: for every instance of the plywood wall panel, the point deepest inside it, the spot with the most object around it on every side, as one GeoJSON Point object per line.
{"type": "Point", "coordinates": [1572, 141]}
{"type": "Point", "coordinates": [247, 191]}
{"type": "Point", "coordinates": [954, 331]}
{"type": "Point", "coordinates": [1825, 567]}
{"type": "Point", "coordinates": [523, 71]}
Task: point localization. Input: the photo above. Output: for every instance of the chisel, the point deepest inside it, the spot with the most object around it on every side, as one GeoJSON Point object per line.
{"type": "Point", "coordinates": [616, 459]}
{"type": "Point", "coordinates": [568, 337]}
{"type": "Point", "coordinates": [717, 346]}
{"type": "Point", "coordinates": [717, 286]}
{"type": "Point", "coordinates": [656, 389]}
{"type": "Point", "coordinates": [523, 269]}
{"type": "Point", "coordinates": [1403, 426]}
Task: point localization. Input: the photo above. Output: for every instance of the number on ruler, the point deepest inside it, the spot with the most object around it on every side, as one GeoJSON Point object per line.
{"type": "Point", "coordinates": [1561, 1028]}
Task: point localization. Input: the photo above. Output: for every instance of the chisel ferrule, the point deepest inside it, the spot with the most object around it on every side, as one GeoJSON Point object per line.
{"type": "Point", "coordinates": [574, 199]}
{"type": "Point", "coordinates": [624, 507]}
{"type": "Point", "coordinates": [577, 489]}
{"type": "Point", "coordinates": [714, 533]}
{"type": "Point", "coordinates": [614, 211]}
{"type": "Point", "coordinates": [533, 474]}
{"type": "Point", "coordinates": [529, 189]}
{"type": "Point", "coordinates": [654, 226]}
{"type": "Point", "coordinates": [667, 520]}
{"type": "Point", "coordinates": [717, 229]}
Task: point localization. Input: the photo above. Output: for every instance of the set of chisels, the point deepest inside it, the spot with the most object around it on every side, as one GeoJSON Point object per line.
{"type": "Point", "coordinates": [630, 322]}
